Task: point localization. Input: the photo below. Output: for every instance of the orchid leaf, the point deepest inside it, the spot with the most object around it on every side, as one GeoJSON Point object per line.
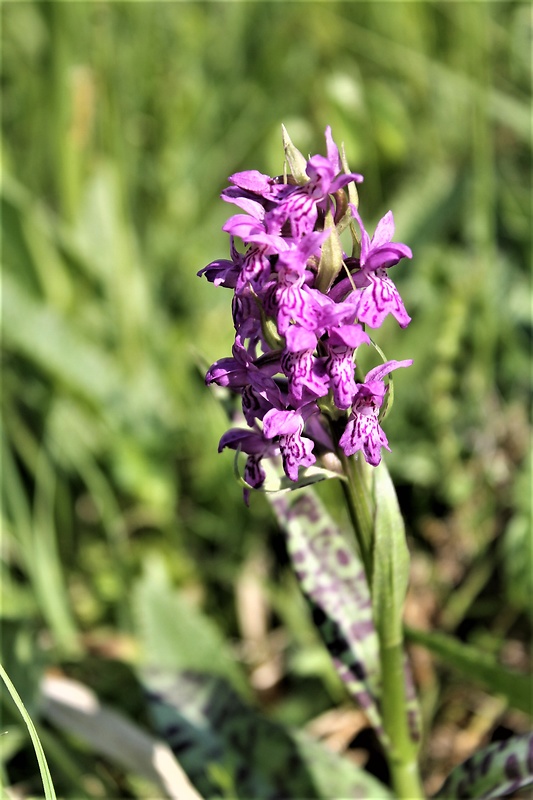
{"type": "Point", "coordinates": [498, 770]}
{"type": "Point", "coordinates": [391, 559]}
{"type": "Point", "coordinates": [73, 707]}
{"type": "Point", "coordinates": [390, 578]}
{"type": "Point", "coordinates": [228, 749]}
{"type": "Point", "coordinates": [333, 581]}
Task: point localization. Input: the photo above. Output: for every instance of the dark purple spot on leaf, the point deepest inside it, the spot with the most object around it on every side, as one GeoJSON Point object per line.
{"type": "Point", "coordinates": [512, 768]}
{"type": "Point", "coordinates": [319, 618]}
{"type": "Point", "coordinates": [343, 557]}
{"type": "Point", "coordinates": [485, 763]}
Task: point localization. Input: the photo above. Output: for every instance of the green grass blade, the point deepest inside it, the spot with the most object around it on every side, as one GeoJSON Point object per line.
{"type": "Point", "coordinates": [48, 785]}
{"type": "Point", "coordinates": [478, 666]}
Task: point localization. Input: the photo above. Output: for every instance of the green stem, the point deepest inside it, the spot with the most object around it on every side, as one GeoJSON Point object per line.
{"type": "Point", "coordinates": [401, 750]}
{"type": "Point", "coordinates": [359, 502]}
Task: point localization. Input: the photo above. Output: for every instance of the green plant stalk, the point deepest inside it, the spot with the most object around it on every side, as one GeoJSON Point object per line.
{"type": "Point", "coordinates": [401, 751]}
{"type": "Point", "coordinates": [359, 505]}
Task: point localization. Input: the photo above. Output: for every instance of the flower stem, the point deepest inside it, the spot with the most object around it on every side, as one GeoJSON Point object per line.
{"type": "Point", "coordinates": [401, 750]}
{"type": "Point", "coordinates": [358, 501]}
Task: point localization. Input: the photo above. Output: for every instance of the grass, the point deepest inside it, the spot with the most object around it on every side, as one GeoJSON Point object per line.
{"type": "Point", "coordinates": [121, 123]}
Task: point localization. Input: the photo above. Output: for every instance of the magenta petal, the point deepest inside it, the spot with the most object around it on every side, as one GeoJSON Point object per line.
{"type": "Point", "coordinates": [378, 373]}
{"type": "Point", "coordinates": [299, 339]}
{"type": "Point", "coordinates": [363, 432]}
{"type": "Point", "coordinates": [252, 207]}
{"type": "Point", "coordinates": [242, 225]}
{"type": "Point", "coordinates": [281, 423]}
{"type": "Point", "coordinates": [384, 231]}
{"type": "Point", "coordinates": [387, 255]}
{"type": "Point", "coordinates": [221, 273]}
{"type": "Point", "coordinates": [254, 474]}
{"type": "Point", "coordinates": [341, 372]}
{"type": "Point", "coordinates": [348, 336]}
{"type": "Point", "coordinates": [249, 441]}
{"type": "Point", "coordinates": [252, 180]}
{"type": "Point", "coordinates": [333, 152]}
{"type": "Point", "coordinates": [379, 299]}
{"type": "Point", "coordinates": [304, 372]}
{"type": "Point", "coordinates": [296, 452]}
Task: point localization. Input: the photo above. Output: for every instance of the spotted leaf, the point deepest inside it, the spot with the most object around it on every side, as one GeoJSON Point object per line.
{"type": "Point", "coordinates": [498, 770]}
{"type": "Point", "coordinates": [228, 749]}
{"type": "Point", "coordinates": [333, 580]}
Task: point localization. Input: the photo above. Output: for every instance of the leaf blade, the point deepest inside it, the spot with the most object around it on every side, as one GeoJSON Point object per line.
{"type": "Point", "coordinates": [500, 769]}
{"type": "Point", "coordinates": [333, 580]}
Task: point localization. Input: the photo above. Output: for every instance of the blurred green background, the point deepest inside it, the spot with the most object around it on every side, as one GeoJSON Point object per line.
{"type": "Point", "coordinates": [121, 123]}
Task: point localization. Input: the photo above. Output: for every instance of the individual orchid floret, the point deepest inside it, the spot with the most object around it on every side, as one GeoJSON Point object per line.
{"type": "Point", "coordinates": [223, 272]}
{"type": "Point", "coordinates": [378, 295]}
{"type": "Point", "coordinates": [341, 345]}
{"type": "Point", "coordinates": [300, 204]}
{"type": "Point", "coordinates": [302, 368]}
{"type": "Point", "coordinates": [363, 431]}
{"type": "Point", "coordinates": [296, 450]}
{"type": "Point", "coordinates": [256, 446]}
{"type": "Point", "coordinates": [246, 314]}
{"type": "Point", "coordinates": [291, 301]}
{"type": "Point", "coordinates": [256, 385]}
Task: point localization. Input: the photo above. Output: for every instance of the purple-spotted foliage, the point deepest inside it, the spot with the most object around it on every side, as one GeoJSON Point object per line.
{"type": "Point", "coordinates": [300, 309]}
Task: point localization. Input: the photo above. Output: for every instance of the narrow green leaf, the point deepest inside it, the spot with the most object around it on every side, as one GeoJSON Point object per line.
{"type": "Point", "coordinates": [391, 559]}
{"type": "Point", "coordinates": [333, 580]}
{"type": "Point", "coordinates": [36, 536]}
{"type": "Point", "coordinates": [478, 666]}
{"type": "Point", "coordinates": [48, 785]}
{"type": "Point", "coordinates": [389, 582]}
{"type": "Point", "coordinates": [498, 770]}
{"type": "Point", "coordinates": [43, 339]}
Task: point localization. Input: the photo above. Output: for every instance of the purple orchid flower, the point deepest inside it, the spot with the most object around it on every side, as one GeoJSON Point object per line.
{"type": "Point", "coordinates": [297, 336]}
{"type": "Point", "coordinates": [363, 431]}
{"type": "Point", "coordinates": [239, 373]}
{"type": "Point", "coordinates": [299, 204]}
{"type": "Point", "coordinates": [341, 345]}
{"type": "Point", "coordinates": [291, 301]}
{"type": "Point", "coordinates": [378, 295]}
{"type": "Point", "coordinates": [256, 446]}
{"type": "Point", "coordinates": [296, 450]}
{"type": "Point", "coordinates": [303, 370]}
